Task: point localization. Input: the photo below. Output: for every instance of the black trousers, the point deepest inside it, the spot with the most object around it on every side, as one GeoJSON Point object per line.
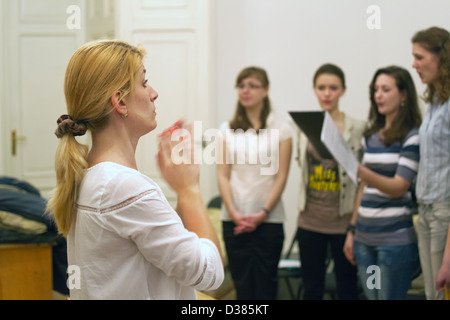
{"type": "Point", "coordinates": [313, 253]}
{"type": "Point", "coordinates": [253, 259]}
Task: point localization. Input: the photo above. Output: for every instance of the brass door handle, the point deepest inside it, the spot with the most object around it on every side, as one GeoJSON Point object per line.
{"type": "Point", "coordinates": [14, 139]}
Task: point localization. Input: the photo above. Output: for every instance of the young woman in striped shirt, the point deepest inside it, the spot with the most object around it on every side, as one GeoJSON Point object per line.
{"type": "Point", "coordinates": [381, 240]}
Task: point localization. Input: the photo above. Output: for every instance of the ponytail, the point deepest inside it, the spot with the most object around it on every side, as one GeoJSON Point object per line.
{"type": "Point", "coordinates": [70, 165]}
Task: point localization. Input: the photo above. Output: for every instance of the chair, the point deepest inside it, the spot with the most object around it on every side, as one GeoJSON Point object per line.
{"type": "Point", "coordinates": [226, 291]}
{"type": "Point", "coordinates": [289, 269]}
{"type": "Point", "coordinates": [330, 287]}
{"type": "Point", "coordinates": [215, 202]}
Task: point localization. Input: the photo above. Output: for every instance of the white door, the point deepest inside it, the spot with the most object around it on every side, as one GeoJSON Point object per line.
{"type": "Point", "coordinates": [37, 45]}
{"type": "Point", "coordinates": [39, 39]}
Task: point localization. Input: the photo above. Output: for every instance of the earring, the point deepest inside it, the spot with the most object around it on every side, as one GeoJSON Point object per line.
{"type": "Point", "coordinates": [125, 115]}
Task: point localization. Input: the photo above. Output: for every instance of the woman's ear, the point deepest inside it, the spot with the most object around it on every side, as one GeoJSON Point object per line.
{"type": "Point", "coordinates": [266, 92]}
{"type": "Point", "coordinates": [119, 104]}
{"type": "Point", "coordinates": [404, 95]}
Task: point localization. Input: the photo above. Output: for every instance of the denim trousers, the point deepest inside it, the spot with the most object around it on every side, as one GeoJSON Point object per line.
{"type": "Point", "coordinates": [386, 272]}
{"type": "Point", "coordinates": [432, 232]}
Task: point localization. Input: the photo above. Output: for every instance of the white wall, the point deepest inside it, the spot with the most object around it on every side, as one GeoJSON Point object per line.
{"type": "Point", "coordinates": [292, 38]}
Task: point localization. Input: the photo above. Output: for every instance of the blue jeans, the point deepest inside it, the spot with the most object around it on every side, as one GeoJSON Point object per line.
{"type": "Point", "coordinates": [386, 271]}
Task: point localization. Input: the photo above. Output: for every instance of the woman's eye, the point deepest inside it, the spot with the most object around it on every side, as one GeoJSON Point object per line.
{"type": "Point", "coordinates": [145, 83]}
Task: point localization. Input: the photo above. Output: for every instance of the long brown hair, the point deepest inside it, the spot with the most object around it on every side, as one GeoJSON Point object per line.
{"type": "Point", "coordinates": [409, 115]}
{"type": "Point", "coordinates": [437, 40]}
{"type": "Point", "coordinates": [240, 119]}
{"type": "Point", "coordinates": [94, 73]}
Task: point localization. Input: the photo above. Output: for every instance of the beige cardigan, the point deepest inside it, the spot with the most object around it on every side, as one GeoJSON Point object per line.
{"type": "Point", "coordinates": [353, 133]}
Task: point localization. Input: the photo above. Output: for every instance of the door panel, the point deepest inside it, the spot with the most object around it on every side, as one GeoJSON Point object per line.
{"type": "Point", "coordinates": [38, 47]}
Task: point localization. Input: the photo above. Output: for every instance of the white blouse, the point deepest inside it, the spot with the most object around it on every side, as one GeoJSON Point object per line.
{"type": "Point", "coordinates": [254, 160]}
{"type": "Point", "coordinates": [128, 243]}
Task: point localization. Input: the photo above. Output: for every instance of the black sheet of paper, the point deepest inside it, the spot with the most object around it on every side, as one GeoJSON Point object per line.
{"type": "Point", "coordinates": [311, 123]}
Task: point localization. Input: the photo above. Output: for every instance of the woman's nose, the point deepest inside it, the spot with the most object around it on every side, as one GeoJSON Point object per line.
{"type": "Point", "coordinates": [153, 94]}
{"type": "Point", "coordinates": [377, 94]}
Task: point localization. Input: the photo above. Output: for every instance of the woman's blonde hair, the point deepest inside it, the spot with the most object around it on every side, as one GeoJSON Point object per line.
{"type": "Point", "coordinates": [94, 74]}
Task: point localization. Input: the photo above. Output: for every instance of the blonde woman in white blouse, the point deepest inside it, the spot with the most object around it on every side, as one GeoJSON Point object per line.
{"type": "Point", "coordinates": [123, 237]}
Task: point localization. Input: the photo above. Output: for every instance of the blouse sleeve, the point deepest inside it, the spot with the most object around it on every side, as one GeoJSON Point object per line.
{"type": "Point", "coordinates": [150, 222]}
{"type": "Point", "coordinates": [286, 130]}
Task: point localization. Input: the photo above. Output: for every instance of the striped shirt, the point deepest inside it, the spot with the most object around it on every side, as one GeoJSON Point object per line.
{"type": "Point", "coordinates": [433, 180]}
{"type": "Point", "coordinates": [383, 220]}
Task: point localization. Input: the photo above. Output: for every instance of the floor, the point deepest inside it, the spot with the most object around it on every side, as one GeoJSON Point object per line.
{"type": "Point", "coordinates": [415, 293]}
